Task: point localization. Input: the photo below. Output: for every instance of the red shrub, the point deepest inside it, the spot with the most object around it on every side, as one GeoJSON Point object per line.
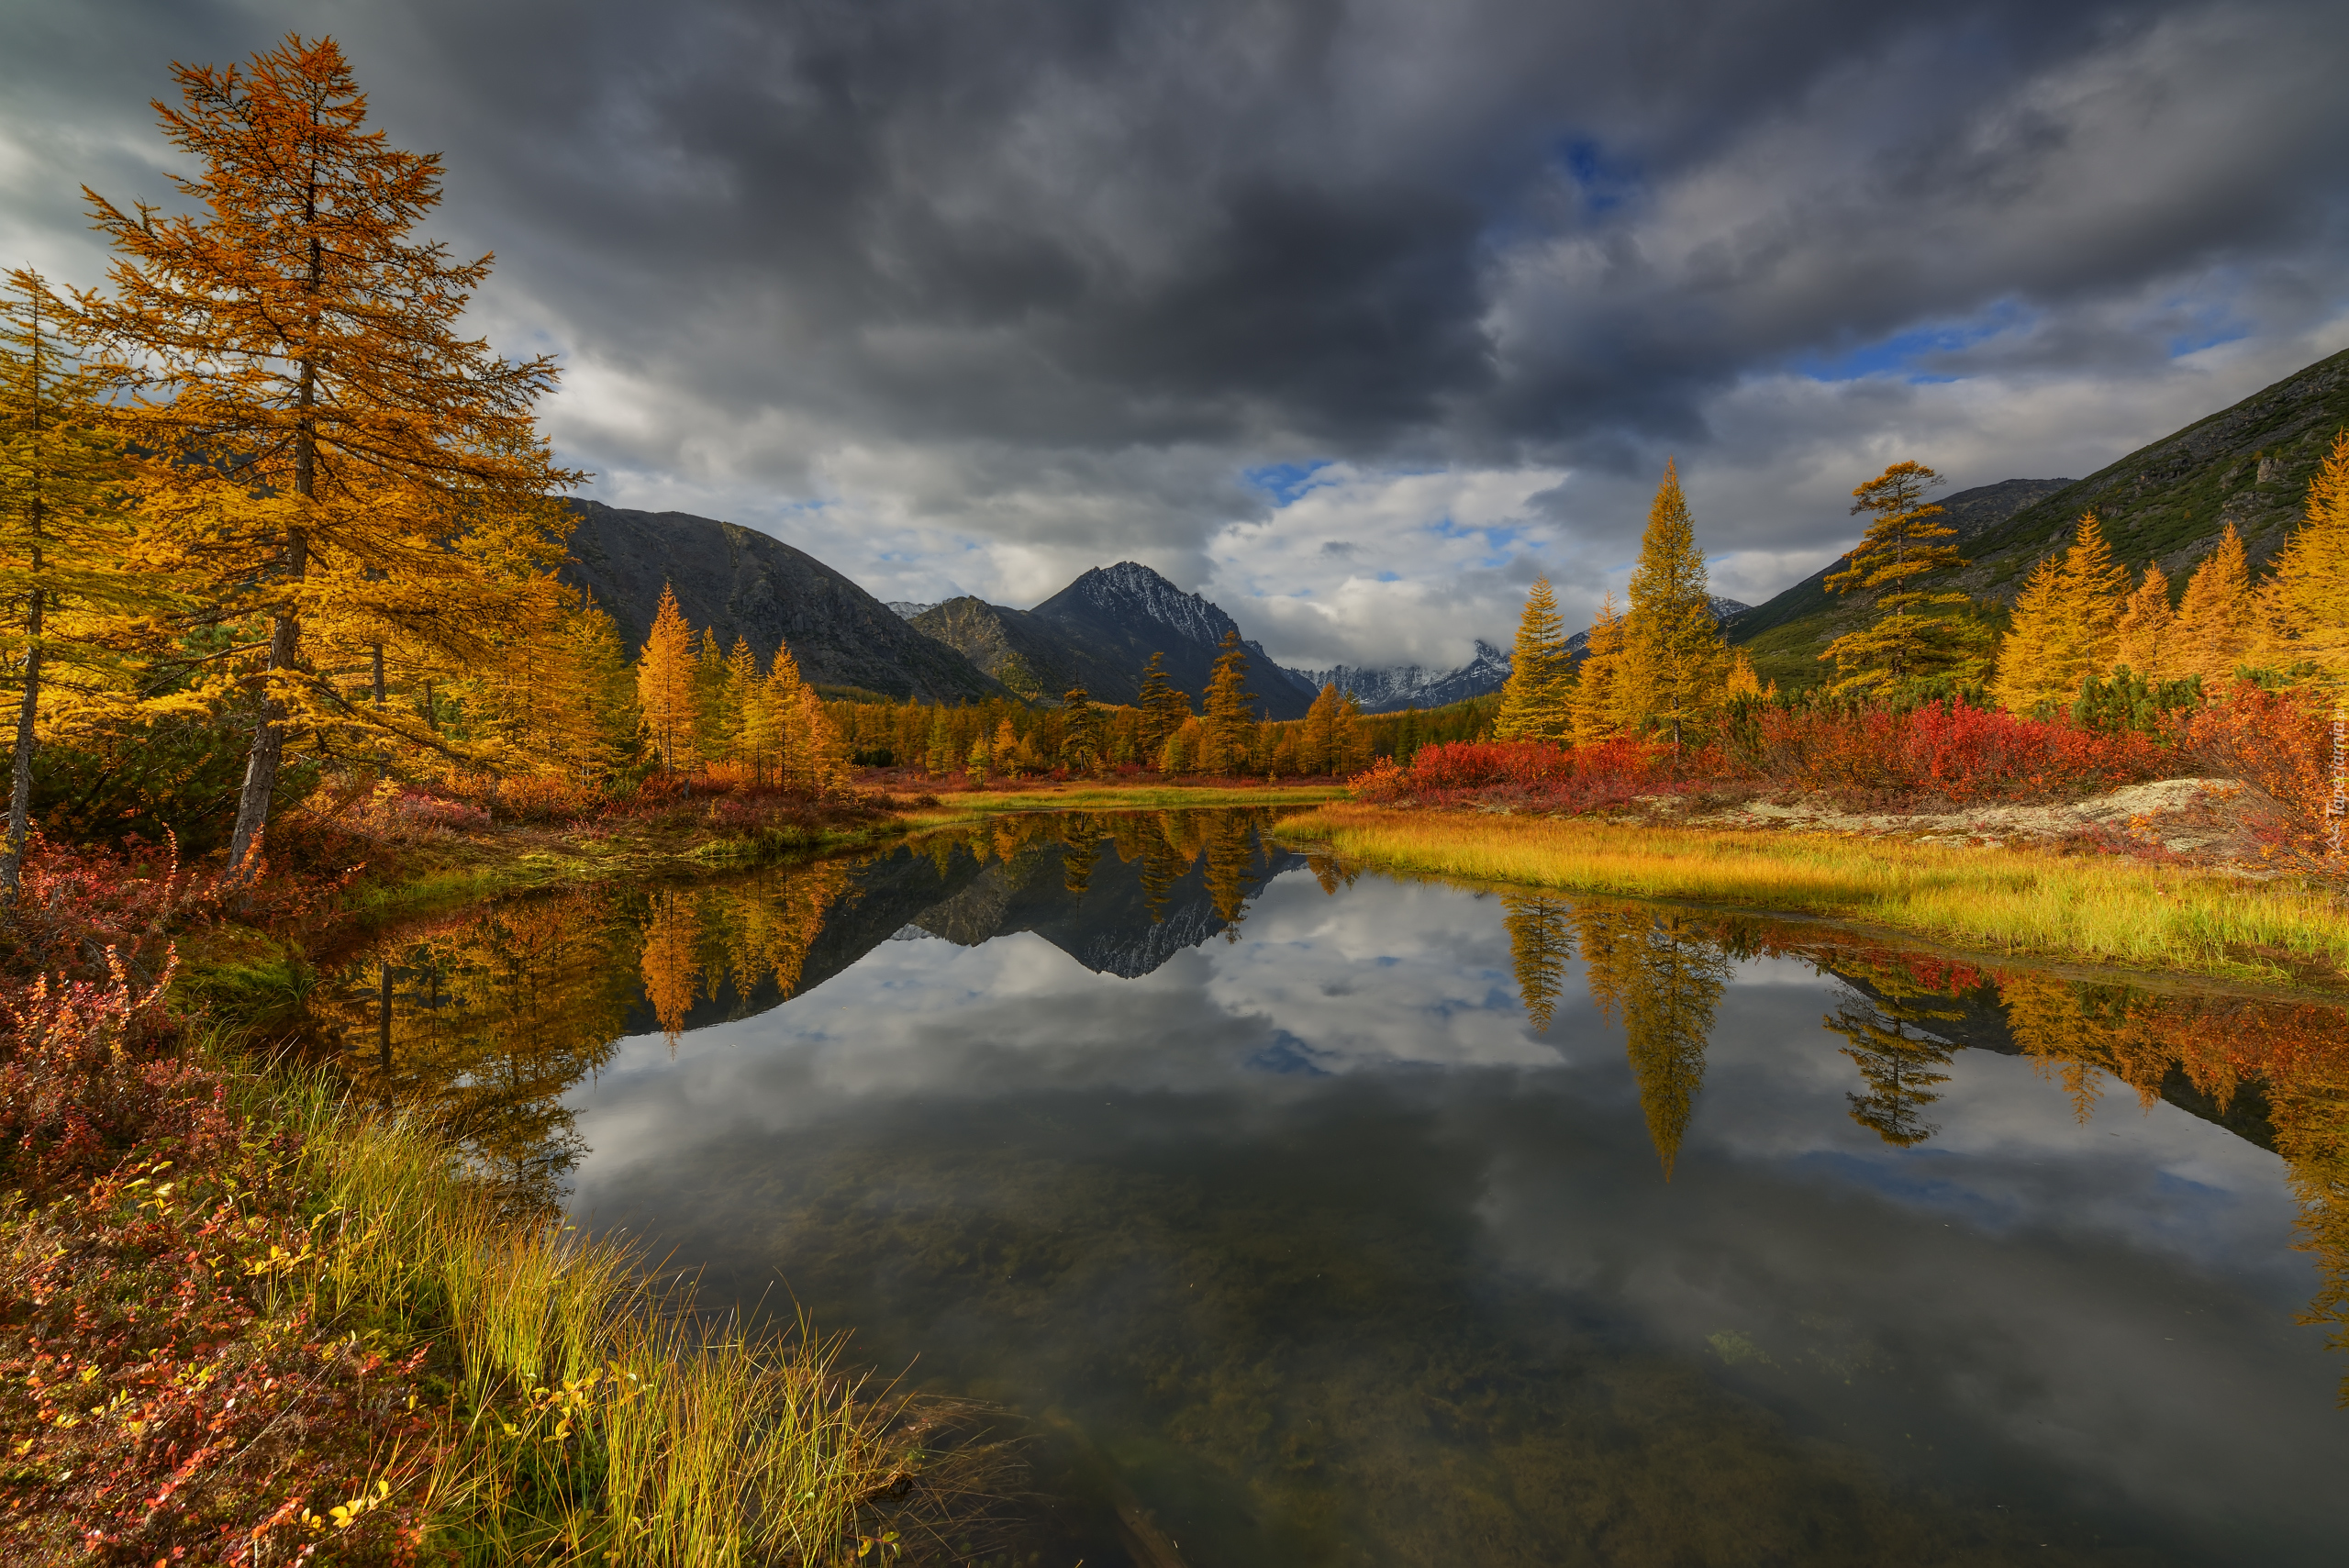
{"type": "Point", "coordinates": [2290, 746]}
{"type": "Point", "coordinates": [1952, 751]}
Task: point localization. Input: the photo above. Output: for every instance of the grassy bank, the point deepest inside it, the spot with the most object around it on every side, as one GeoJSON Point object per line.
{"type": "Point", "coordinates": [2104, 911]}
{"type": "Point", "coordinates": [239, 1323]}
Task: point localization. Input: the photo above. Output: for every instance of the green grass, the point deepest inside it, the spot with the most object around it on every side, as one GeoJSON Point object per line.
{"type": "Point", "coordinates": [2018, 901]}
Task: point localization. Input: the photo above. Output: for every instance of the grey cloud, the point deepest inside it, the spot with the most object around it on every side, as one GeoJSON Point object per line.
{"type": "Point", "coordinates": [1068, 269]}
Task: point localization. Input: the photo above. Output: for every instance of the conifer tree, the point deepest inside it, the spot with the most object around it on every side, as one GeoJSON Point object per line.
{"type": "Point", "coordinates": [1594, 705]}
{"type": "Point", "coordinates": [664, 685]}
{"type": "Point", "coordinates": [318, 432]}
{"type": "Point", "coordinates": [62, 530]}
{"type": "Point", "coordinates": [1080, 730]}
{"type": "Point", "coordinates": [1162, 710]}
{"type": "Point", "coordinates": [2213, 631]}
{"type": "Point", "coordinates": [1329, 739]}
{"type": "Point", "coordinates": [2065, 627]}
{"type": "Point", "coordinates": [1535, 701]}
{"type": "Point", "coordinates": [1741, 681]}
{"type": "Point", "coordinates": [1228, 722]}
{"type": "Point", "coordinates": [1913, 635]}
{"type": "Point", "coordinates": [2140, 638]}
{"type": "Point", "coordinates": [2305, 605]}
{"type": "Point", "coordinates": [778, 700]}
{"type": "Point", "coordinates": [1673, 654]}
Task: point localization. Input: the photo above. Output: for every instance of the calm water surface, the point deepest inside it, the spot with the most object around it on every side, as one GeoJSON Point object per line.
{"type": "Point", "coordinates": [1303, 1220]}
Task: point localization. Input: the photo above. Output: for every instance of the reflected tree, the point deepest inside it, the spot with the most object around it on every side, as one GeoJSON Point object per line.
{"type": "Point", "coordinates": [479, 1023]}
{"type": "Point", "coordinates": [1541, 943]}
{"type": "Point", "coordinates": [670, 961]}
{"type": "Point", "coordinates": [1889, 1026]}
{"type": "Point", "coordinates": [1663, 976]}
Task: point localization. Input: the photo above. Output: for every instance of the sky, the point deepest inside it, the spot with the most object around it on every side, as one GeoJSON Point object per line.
{"type": "Point", "coordinates": [1356, 316]}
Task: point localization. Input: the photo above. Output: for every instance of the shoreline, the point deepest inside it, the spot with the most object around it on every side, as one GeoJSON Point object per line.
{"type": "Point", "coordinates": [1984, 901]}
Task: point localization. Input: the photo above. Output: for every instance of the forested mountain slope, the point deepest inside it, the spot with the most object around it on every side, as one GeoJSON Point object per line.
{"type": "Point", "coordinates": [2248, 464]}
{"type": "Point", "coordinates": [739, 581]}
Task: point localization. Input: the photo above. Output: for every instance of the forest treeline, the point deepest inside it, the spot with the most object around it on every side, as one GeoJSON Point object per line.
{"type": "Point", "coordinates": [2079, 642]}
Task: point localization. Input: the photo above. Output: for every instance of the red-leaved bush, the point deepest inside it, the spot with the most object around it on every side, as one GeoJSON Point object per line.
{"type": "Point", "coordinates": [1946, 751]}
{"type": "Point", "coordinates": [2283, 744]}
{"type": "Point", "coordinates": [1943, 751]}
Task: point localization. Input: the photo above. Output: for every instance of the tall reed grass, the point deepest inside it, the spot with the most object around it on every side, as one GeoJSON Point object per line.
{"type": "Point", "coordinates": [2019, 900]}
{"type": "Point", "coordinates": [592, 1417]}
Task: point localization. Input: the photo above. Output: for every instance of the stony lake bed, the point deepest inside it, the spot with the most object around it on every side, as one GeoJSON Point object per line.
{"type": "Point", "coordinates": [1286, 1212]}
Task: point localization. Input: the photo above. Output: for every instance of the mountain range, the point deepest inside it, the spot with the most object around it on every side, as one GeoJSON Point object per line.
{"type": "Point", "coordinates": [2248, 464]}
{"type": "Point", "coordinates": [1097, 633]}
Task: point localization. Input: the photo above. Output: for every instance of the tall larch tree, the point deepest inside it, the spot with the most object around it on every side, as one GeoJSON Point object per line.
{"type": "Point", "coordinates": [1536, 699]}
{"type": "Point", "coordinates": [318, 430]}
{"type": "Point", "coordinates": [664, 685]}
{"type": "Point", "coordinates": [2213, 630]}
{"type": "Point", "coordinates": [1162, 710]}
{"type": "Point", "coordinates": [1914, 633]}
{"type": "Point", "coordinates": [62, 530]}
{"type": "Point", "coordinates": [1229, 719]}
{"type": "Point", "coordinates": [1595, 704]}
{"type": "Point", "coordinates": [2140, 638]}
{"type": "Point", "coordinates": [1673, 654]}
{"type": "Point", "coordinates": [2305, 605]}
{"type": "Point", "coordinates": [2065, 624]}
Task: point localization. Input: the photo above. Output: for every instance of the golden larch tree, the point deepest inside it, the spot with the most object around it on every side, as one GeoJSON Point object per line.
{"type": "Point", "coordinates": [1536, 699]}
{"type": "Point", "coordinates": [2140, 638]}
{"type": "Point", "coordinates": [1914, 633]}
{"type": "Point", "coordinates": [1594, 705]}
{"type": "Point", "coordinates": [664, 685]}
{"type": "Point", "coordinates": [1673, 654]}
{"type": "Point", "coordinates": [2065, 627]}
{"type": "Point", "coordinates": [1228, 722]}
{"type": "Point", "coordinates": [2305, 606]}
{"type": "Point", "coordinates": [2212, 633]}
{"type": "Point", "coordinates": [64, 533]}
{"type": "Point", "coordinates": [317, 429]}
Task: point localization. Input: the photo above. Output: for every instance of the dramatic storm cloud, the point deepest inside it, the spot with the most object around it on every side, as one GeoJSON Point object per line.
{"type": "Point", "coordinates": [1354, 315]}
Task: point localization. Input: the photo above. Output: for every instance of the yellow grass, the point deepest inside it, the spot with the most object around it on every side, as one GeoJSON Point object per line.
{"type": "Point", "coordinates": [2016, 900]}
{"type": "Point", "coordinates": [595, 1419]}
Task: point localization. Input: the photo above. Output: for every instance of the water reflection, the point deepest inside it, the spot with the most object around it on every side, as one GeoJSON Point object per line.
{"type": "Point", "coordinates": [1338, 1219]}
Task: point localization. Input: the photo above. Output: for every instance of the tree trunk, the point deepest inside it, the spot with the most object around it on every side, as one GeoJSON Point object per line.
{"type": "Point", "coordinates": [263, 764]}
{"type": "Point", "coordinates": [20, 791]}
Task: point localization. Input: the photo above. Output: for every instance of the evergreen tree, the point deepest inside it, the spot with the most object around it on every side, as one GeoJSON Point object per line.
{"type": "Point", "coordinates": [1913, 635]}
{"type": "Point", "coordinates": [664, 685]}
{"type": "Point", "coordinates": [1594, 705]}
{"type": "Point", "coordinates": [2065, 624]}
{"type": "Point", "coordinates": [1229, 723]}
{"type": "Point", "coordinates": [62, 532]}
{"type": "Point", "coordinates": [319, 432]}
{"type": "Point", "coordinates": [2213, 631]}
{"type": "Point", "coordinates": [1535, 701]}
{"type": "Point", "coordinates": [1673, 654]}
{"type": "Point", "coordinates": [2140, 638]}
{"type": "Point", "coordinates": [2306, 604]}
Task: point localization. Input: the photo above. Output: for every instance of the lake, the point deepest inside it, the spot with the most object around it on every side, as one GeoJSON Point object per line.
{"type": "Point", "coordinates": [1299, 1216]}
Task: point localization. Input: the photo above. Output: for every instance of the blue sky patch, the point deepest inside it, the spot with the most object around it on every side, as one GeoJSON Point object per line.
{"type": "Point", "coordinates": [1284, 482]}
